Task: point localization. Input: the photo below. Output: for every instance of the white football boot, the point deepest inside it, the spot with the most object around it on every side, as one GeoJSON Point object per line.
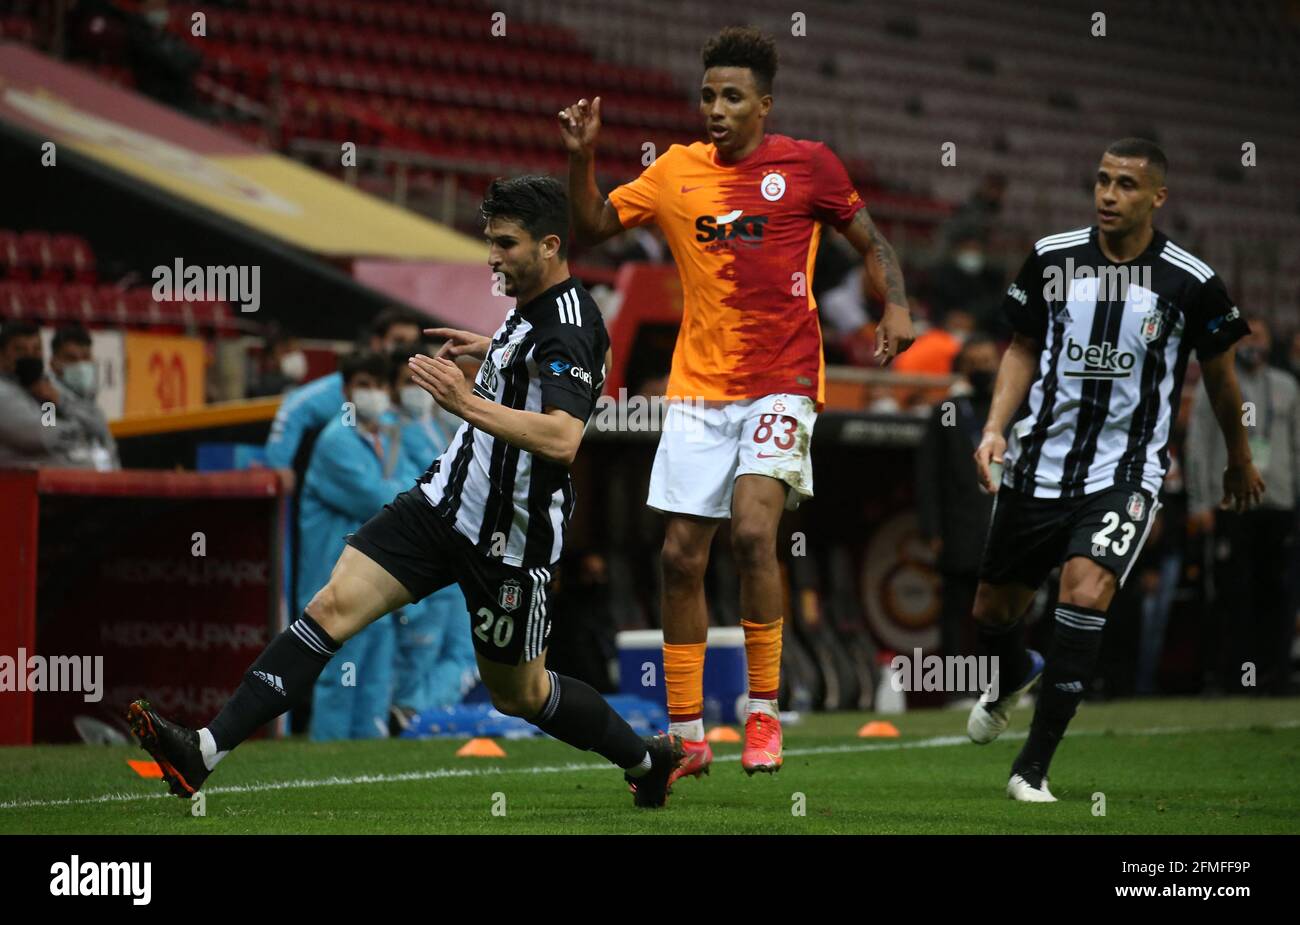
{"type": "Point", "coordinates": [1020, 789]}
{"type": "Point", "coordinates": [989, 718]}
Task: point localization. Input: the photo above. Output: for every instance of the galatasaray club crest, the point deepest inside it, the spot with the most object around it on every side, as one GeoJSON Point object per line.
{"type": "Point", "coordinates": [772, 186]}
{"type": "Point", "coordinates": [1136, 507]}
{"type": "Point", "coordinates": [1153, 324]}
{"type": "Point", "coordinates": [510, 596]}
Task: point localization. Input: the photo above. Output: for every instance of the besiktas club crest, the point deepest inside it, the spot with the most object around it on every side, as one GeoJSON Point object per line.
{"type": "Point", "coordinates": [1137, 506]}
{"type": "Point", "coordinates": [1153, 325]}
{"type": "Point", "coordinates": [510, 595]}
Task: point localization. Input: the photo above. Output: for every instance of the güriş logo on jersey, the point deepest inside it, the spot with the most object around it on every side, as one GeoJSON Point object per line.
{"type": "Point", "coordinates": [558, 368]}
{"type": "Point", "coordinates": [734, 226]}
{"type": "Point", "coordinates": [1100, 361]}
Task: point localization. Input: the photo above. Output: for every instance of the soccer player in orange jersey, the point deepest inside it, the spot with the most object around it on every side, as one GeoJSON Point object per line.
{"type": "Point", "coordinates": [742, 214]}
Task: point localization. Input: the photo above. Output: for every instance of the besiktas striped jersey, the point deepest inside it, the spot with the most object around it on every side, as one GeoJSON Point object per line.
{"type": "Point", "coordinates": [1115, 342]}
{"type": "Point", "coordinates": [549, 353]}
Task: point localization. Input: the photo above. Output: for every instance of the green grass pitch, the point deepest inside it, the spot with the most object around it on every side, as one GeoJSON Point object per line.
{"type": "Point", "coordinates": [1164, 767]}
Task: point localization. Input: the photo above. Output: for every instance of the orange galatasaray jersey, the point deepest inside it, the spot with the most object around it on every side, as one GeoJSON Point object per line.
{"type": "Point", "coordinates": [744, 237]}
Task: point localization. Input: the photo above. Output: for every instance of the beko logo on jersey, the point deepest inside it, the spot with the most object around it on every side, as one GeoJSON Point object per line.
{"type": "Point", "coordinates": [1100, 361]}
{"type": "Point", "coordinates": [734, 226]}
{"type": "Point", "coordinates": [558, 368]}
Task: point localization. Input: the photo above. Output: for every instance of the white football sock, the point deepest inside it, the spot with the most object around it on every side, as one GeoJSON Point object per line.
{"type": "Point", "coordinates": [640, 769]}
{"type": "Point", "coordinates": [763, 706]}
{"type": "Point", "coordinates": [208, 749]}
{"type": "Point", "coordinates": [692, 731]}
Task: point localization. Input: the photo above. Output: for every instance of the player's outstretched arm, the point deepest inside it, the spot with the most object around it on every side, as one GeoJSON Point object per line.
{"type": "Point", "coordinates": [1015, 374]}
{"type": "Point", "coordinates": [554, 435]}
{"type": "Point", "coordinates": [894, 334]}
{"type": "Point", "coordinates": [593, 218]}
{"type": "Point", "coordinates": [1242, 485]}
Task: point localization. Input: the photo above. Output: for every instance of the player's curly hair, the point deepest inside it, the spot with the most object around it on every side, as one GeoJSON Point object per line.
{"type": "Point", "coordinates": [742, 46]}
{"type": "Point", "coordinates": [539, 204]}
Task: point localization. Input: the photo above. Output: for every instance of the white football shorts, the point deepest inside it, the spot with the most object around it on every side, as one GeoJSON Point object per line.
{"type": "Point", "coordinates": [704, 446]}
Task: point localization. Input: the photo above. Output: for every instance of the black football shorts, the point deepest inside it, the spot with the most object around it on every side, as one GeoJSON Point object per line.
{"type": "Point", "coordinates": [1028, 536]}
{"type": "Point", "coordinates": [508, 612]}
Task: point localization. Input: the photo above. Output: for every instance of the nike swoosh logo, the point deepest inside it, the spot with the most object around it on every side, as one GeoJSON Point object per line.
{"type": "Point", "coordinates": [768, 455]}
{"type": "Point", "coordinates": [691, 189]}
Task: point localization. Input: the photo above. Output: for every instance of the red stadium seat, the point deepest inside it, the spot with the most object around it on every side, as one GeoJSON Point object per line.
{"type": "Point", "coordinates": [76, 303]}
{"type": "Point", "coordinates": [41, 302]}
{"type": "Point", "coordinates": [110, 305]}
{"type": "Point", "coordinates": [10, 265]}
{"type": "Point", "coordinates": [12, 303]}
{"type": "Point", "coordinates": [72, 255]}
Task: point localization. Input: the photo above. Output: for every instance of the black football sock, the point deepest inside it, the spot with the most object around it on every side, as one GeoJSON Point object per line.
{"type": "Point", "coordinates": [1071, 662]}
{"type": "Point", "coordinates": [1006, 643]}
{"type": "Point", "coordinates": [281, 678]}
{"type": "Point", "coordinates": [576, 714]}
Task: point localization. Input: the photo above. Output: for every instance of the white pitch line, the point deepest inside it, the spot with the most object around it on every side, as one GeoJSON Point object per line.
{"type": "Point", "coordinates": [441, 773]}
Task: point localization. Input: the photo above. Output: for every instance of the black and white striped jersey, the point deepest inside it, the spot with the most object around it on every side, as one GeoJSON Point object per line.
{"type": "Point", "coordinates": [1115, 341]}
{"type": "Point", "coordinates": [512, 505]}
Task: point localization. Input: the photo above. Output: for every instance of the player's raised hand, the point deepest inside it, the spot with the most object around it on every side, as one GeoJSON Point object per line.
{"type": "Point", "coordinates": [988, 455]}
{"type": "Point", "coordinates": [1243, 487]}
{"type": "Point", "coordinates": [442, 379]}
{"type": "Point", "coordinates": [460, 343]}
{"type": "Point", "coordinates": [579, 125]}
{"type": "Point", "coordinates": [894, 334]}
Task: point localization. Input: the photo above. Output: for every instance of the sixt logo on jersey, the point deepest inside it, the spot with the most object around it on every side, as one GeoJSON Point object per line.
{"type": "Point", "coordinates": [1100, 361]}
{"type": "Point", "coordinates": [734, 226]}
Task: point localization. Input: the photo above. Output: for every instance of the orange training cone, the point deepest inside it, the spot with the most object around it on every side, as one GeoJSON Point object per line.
{"type": "Point", "coordinates": [878, 729]}
{"type": "Point", "coordinates": [145, 768]}
{"type": "Point", "coordinates": [480, 748]}
{"type": "Point", "coordinates": [722, 734]}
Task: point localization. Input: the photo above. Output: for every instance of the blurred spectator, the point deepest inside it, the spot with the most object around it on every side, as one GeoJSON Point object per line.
{"type": "Point", "coordinates": [76, 378]}
{"type": "Point", "coordinates": [581, 644]}
{"type": "Point", "coordinates": [838, 286]}
{"type": "Point", "coordinates": [309, 408]}
{"type": "Point", "coordinates": [977, 215]}
{"type": "Point", "coordinates": [1293, 356]}
{"type": "Point", "coordinates": [1253, 549]}
{"type": "Point", "coordinates": [966, 280]}
{"type": "Point", "coordinates": [954, 512]}
{"type": "Point", "coordinates": [354, 471]}
{"type": "Point", "coordinates": [30, 410]}
{"type": "Point", "coordinates": [936, 350]}
{"type": "Point", "coordinates": [1160, 565]}
{"type": "Point", "coordinates": [282, 366]}
{"type": "Point", "coordinates": [162, 65]}
{"type": "Point", "coordinates": [644, 244]}
{"type": "Point", "coordinates": [435, 664]}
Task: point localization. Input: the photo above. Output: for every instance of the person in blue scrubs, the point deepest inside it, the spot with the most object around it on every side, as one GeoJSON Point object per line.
{"type": "Point", "coordinates": [355, 469]}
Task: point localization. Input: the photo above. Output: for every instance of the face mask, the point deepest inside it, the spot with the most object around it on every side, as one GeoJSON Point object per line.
{"type": "Point", "coordinates": [981, 381]}
{"type": "Point", "coordinates": [1250, 356]}
{"type": "Point", "coordinates": [81, 378]}
{"type": "Point", "coordinates": [293, 366]}
{"type": "Point", "coordinates": [28, 370]}
{"type": "Point", "coordinates": [371, 404]}
{"type": "Point", "coordinates": [969, 261]}
{"type": "Point", "coordinates": [416, 401]}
